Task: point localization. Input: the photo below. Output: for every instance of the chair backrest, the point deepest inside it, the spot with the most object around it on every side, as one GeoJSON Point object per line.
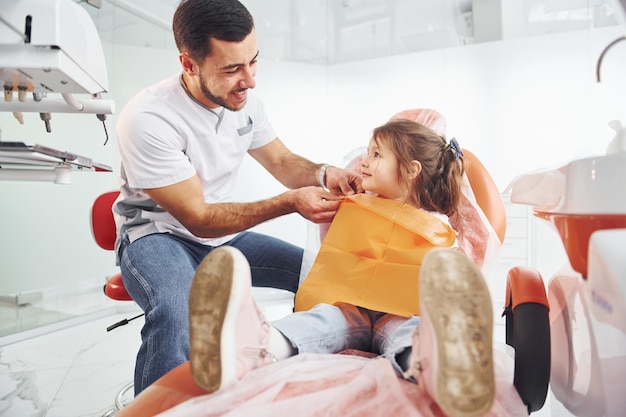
{"type": "Point", "coordinates": [486, 192]}
{"type": "Point", "coordinates": [102, 221]}
{"type": "Point", "coordinates": [104, 233]}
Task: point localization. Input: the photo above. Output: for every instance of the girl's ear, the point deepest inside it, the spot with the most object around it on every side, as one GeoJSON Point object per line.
{"type": "Point", "coordinates": [415, 168]}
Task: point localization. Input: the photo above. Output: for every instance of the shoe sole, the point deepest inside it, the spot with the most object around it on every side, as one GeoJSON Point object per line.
{"type": "Point", "coordinates": [456, 298]}
{"type": "Point", "coordinates": [214, 300]}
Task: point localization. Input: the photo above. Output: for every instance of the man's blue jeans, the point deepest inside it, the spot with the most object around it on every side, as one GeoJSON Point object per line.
{"type": "Point", "coordinates": [157, 271]}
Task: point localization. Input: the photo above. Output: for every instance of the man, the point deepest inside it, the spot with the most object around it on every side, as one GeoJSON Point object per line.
{"type": "Point", "coordinates": [181, 143]}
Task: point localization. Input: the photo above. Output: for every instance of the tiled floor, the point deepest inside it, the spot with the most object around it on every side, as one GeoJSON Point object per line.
{"type": "Point", "coordinates": [71, 372]}
{"type": "Point", "coordinates": [77, 368]}
{"type": "Point", "coordinates": [70, 366]}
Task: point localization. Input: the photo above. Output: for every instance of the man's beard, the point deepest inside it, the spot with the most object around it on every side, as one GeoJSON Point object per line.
{"type": "Point", "coordinates": [214, 99]}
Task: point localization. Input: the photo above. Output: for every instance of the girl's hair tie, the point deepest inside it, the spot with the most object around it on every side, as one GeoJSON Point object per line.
{"type": "Point", "coordinates": [455, 147]}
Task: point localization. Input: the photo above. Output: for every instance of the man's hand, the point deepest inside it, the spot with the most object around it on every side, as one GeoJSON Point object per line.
{"type": "Point", "coordinates": [315, 204]}
{"type": "Point", "coordinates": [342, 182]}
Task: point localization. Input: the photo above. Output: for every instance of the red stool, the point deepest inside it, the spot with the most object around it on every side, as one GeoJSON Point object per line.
{"type": "Point", "coordinates": [104, 233]}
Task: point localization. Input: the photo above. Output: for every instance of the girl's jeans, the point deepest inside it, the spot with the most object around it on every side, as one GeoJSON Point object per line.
{"type": "Point", "coordinates": [333, 328]}
{"type": "Point", "coordinates": [157, 271]}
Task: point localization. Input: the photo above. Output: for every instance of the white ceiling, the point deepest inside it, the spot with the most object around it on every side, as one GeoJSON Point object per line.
{"type": "Point", "coordinates": [334, 31]}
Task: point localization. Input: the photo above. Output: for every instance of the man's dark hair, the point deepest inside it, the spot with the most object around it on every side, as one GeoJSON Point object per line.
{"type": "Point", "coordinates": [197, 21]}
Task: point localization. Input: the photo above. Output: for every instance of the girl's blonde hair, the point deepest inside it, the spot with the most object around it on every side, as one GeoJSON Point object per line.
{"type": "Point", "coordinates": [438, 185]}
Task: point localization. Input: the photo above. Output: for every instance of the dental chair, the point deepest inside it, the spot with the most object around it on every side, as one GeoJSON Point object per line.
{"type": "Point", "coordinates": [527, 329]}
{"type": "Point", "coordinates": [104, 233]}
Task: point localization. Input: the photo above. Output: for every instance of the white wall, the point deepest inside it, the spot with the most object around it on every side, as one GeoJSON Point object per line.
{"type": "Point", "coordinates": [519, 104]}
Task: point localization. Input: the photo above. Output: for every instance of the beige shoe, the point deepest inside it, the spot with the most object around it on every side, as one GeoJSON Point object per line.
{"type": "Point", "coordinates": [228, 332]}
{"type": "Point", "coordinates": [452, 354]}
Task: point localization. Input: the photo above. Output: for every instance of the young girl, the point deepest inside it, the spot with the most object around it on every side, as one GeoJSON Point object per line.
{"type": "Point", "coordinates": [383, 286]}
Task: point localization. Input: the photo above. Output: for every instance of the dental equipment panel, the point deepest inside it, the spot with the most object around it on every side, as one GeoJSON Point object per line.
{"type": "Point", "coordinates": [585, 202]}
{"type": "Point", "coordinates": [51, 60]}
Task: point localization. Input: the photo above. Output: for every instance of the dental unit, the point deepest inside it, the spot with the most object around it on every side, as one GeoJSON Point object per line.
{"type": "Point", "coordinates": [586, 204]}
{"type": "Point", "coordinates": [51, 61]}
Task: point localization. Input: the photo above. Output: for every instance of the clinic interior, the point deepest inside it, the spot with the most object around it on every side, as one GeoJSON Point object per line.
{"type": "Point", "coordinates": [516, 83]}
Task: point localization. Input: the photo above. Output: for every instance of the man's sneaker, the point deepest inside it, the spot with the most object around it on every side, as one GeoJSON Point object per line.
{"type": "Point", "coordinates": [452, 354]}
{"type": "Point", "coordinates": [228, 333]}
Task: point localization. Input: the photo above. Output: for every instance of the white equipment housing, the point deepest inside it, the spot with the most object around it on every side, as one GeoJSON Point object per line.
{"type": "Point", "coordinates": [51, 46]}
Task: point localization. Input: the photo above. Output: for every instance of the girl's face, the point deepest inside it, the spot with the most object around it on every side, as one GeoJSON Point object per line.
{"type": "Point", "coordinates": [380, 172]}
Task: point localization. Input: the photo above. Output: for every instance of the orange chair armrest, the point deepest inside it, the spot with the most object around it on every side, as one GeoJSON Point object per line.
{"type": "Point", "coordinates": [525, 285]}
{"type": "Point", "coordinates": [172, 389]}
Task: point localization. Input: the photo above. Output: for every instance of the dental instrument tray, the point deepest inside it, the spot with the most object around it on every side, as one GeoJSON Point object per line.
{"type": "Point", "coordinates": [18, 153]}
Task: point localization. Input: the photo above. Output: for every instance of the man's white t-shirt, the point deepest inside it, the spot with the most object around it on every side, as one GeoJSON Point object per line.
{"type": "Point", "coordinates": [165, 136]}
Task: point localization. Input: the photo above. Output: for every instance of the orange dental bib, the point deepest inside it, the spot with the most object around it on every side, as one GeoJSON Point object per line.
{"type": "Point", "coordinates": [371, 256]}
